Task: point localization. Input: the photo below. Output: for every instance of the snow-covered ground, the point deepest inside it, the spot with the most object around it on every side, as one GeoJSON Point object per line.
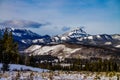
{"type": "Point", "coordinates": [42, 74]}
{"type": "Point", "coordinates": [23, 67]}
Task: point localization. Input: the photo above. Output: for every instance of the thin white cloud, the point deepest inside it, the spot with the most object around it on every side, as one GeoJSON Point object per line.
{"type": "Point", "coordinates": [22, 24]}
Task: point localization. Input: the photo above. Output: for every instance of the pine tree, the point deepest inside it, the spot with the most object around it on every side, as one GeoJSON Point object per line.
{"type": "Point", "coordinates": [4, 49]}
{"type": "Point", "coordinates": [13, 52]}
{"type": "Point", "coordinates": [9, 50]}
{"type": "Point", "coordinates": [32, 60]}
{"type": "Point", "coordinates": [0, 49]}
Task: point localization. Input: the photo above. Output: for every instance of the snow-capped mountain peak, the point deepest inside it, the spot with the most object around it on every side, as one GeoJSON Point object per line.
{"type": "Point", "coordinates": [76, 33]}
{"type": "Point", "coordinates": [71, 35]}
{"type": "Point", "coordinates": [21, 32]}
{"type": "Point", "coordinates": [78, 30]}
{"type": "Point", "coordinates": [26, 37]}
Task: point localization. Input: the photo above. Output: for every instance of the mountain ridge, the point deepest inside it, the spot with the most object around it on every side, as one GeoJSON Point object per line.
{"type": "Point", "coordinates": [66, 50]}
{"type": "Point", "coordinates": [77, 36]}
{"type": "Point", "coordinates": [77, 46]}
{"type": "Point", "coordinates": [24, 37]}
{"type": "Point", "coordinates": [102, 45]}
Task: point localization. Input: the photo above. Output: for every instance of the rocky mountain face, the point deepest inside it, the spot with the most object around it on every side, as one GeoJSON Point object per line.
{"type": "Point", "coordinates": [71, 36]}
{"type": "Point", "coordinates": [79, 36]}
{"type": "Point", "coordinates": [76, 43]}
{"type": "Point", "coordinates": [26, 38]}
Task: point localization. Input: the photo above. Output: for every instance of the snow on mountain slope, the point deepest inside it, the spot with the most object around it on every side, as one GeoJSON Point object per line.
{"type": "Point", "coordinates": [26, 37]}
{"type": "Point", "coordinates": [67, 50]}
{"type": "Point", "coordinates": [22, 33]}
{"type": "Point", "coordinates": [78, 35]}
{"type": "Point", "coordinates": [33, 48]}
{"type": "Point", "coordinates": [70, 36]}
{"type": "Point", "coordinates": [117, 46]}
{"type": "Point", "coordinates": [55, 50]}
{"type": "Point", "coordinates": [116, 36]}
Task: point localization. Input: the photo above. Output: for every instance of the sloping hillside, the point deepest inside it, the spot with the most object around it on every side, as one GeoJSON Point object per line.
{"type": "Point", "coordinates": [66, 50]}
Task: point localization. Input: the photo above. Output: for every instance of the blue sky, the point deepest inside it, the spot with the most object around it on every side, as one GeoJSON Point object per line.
{"type": "Point", "coordinates": [97, 16]}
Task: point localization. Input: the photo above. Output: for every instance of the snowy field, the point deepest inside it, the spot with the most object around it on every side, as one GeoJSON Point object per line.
{"type": "Point", "coordinates": [23, 67]}
{"type": "Point", "coordinates": [42, 74]}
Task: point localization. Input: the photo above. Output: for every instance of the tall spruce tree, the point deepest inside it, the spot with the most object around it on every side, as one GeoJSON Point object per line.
{"type": "Point", "coordinates": [9, 49]}
{"type": "Point", "coordinates": [0, 48]}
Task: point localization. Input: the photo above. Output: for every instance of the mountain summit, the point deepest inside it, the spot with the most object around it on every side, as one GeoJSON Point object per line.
{"type": "Point", "coordinates": [70, 36]}
{"type": "Point", "coordinates": [76, 33]}
{"type": "Point", "coordinates": [24, 37]}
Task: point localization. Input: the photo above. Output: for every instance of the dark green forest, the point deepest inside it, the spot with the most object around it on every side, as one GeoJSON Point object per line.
{"type": "Point", "coordinates": [93, 64]}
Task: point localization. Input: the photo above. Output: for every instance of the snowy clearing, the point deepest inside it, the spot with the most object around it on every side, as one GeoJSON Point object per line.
{"type": "Point", "coordinates": [42, 74]}
{"type": "Point", "coordinates": [23, 67]}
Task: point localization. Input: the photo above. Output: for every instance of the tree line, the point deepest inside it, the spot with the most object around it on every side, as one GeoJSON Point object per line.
{"type": "Point", "coordinates": [93, 64]}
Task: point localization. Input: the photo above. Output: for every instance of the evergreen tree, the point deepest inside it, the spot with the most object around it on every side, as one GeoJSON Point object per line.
{"type": "Point", "coordinates": [0, 49]}
{"type": "Point", "coordinates": [8, 49]}
{"type": "Point", "coordinates": [13, 49]}
{"type": "Point", "coordinates": [5, 47]}
{"type": "Point", "coordinates": [32, 60]}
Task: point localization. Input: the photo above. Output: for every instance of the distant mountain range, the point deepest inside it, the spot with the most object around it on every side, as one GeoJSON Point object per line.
{"type": "Point", "coordinates": [70, 44]}
{"type": "Point", "coordinates": [26, 38]}
{"type": "Point", "coordinates": [78, 44]}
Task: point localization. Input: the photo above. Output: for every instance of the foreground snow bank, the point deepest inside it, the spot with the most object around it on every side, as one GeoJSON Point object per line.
{"type": "Point", "coordinates": [43, 74]}
{"type": "Point", "coordinates": [23, 67]}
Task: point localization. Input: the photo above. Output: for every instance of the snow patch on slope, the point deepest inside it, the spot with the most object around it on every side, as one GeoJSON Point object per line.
{"type": "Point", "coordinates": [33, 48]}
{"type": "Point", "coordinates": [38, 40]}
{"type": "Point", "coordinates": [52, 50]}
{"type": "Point", "coordinates": [108, 43]}
{"type": "Point", "coordinates": [90, 37]}
{"type": "Point", "coordinates": [116, 36]}
{"type": "Point", "coordinates": [118, 46]}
